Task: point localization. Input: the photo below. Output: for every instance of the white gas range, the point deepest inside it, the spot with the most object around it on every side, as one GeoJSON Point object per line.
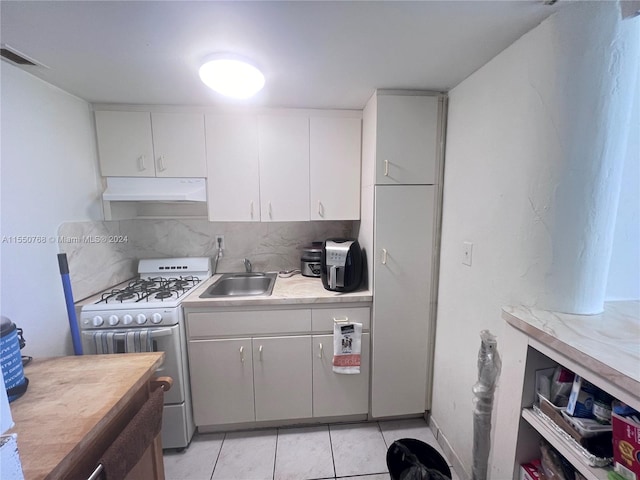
{"type": "Point", "coordinates": [145, 314]}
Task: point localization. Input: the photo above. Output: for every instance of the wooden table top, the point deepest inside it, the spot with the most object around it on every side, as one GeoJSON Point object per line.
{"type": "Point", "coordinates": [69, 402]}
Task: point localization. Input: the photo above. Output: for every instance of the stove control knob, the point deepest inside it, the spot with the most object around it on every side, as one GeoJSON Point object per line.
{"type": "Point", "coordinates": [156, 318]}
{"type": "Point", "coordinates": [141, 318]}
{"type": "Point", "coordinates": [113, 320]}
{"type": "Point", "coordinates": [97, 321]}
{"type": "Point", "coordinates": [127, 319]}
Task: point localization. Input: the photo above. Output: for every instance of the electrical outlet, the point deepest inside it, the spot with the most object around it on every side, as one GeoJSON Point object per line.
{"type": "Point", "coordinates": [467, 250]}
{"type": "Point", "coordinates": [220, 242]}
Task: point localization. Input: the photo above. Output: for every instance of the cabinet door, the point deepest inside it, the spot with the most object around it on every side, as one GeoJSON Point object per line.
{"type": "Point", "coordinates": [125, 147]}
{"type": "Point", "coordinates": [221, 381]}
{"type": "Point", "coordinates": [282, 377]}
{"type": "Point", "coordinates": [404, 223]}
{"type": "Point", "coordinates": [406, 149]}
{"type": "Point", "coordinates": [335, 168]}
{"type": "Point", "coordinates": [283, 147]}
{"type": "Point", "coordinates": [178, 140]}
{"type": "Point", "coordinates": [334, 393]}
{"type": "Point", "coordinates": [232, 162]}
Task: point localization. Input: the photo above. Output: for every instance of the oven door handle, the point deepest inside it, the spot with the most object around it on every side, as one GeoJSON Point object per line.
{"type": "Point", "coordinates": [162, 332]}
{"type": "Point", "coordinates": [105, 340]}
{"type": "Point", "coordinates": [154, 333]}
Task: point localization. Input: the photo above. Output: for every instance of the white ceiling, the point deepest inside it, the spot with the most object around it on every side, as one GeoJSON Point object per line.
{"type": "Point", "coordinates": [315, 54]}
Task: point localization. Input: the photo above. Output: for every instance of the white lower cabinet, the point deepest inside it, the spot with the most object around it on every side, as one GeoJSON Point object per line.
{"type": "Point", "coordinates": [222, 381]}
{"type": "Point", "coordinates": [246, 380]}
{"type": "Point", "coordinates": [338, 394]}
{"type": "Point", "coordinates": [402, 300]}
{"type": "Point", "coordinates": [262, 377]}
{"type": "Point", "coordinates": [282, 377]}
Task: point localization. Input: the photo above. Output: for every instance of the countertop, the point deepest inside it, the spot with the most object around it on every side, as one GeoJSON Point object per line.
{"type": "Point", "coordinates": [608, 343]}
{"type": "Point", "coordinates": [295, 290]}
{"type": "Point", "coordinates": [69, 402]}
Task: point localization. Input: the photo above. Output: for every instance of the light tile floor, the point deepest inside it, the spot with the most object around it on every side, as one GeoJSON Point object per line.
{"type": "Point", "coordinates": [355, 451]}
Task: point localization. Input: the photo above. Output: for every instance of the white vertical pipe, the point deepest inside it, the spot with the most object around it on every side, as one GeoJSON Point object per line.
{"type": "Point", "coordinates": [585, 82]}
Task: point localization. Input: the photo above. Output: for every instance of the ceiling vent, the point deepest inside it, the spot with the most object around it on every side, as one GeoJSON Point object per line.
{"type": "Point", "coordinates": [17, 58]}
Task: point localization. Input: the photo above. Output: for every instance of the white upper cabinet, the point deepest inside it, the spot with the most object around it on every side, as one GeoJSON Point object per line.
{"type": "Point", "coordinates": [407, 139]}
{"type": "Point", "coordinates": [283, 149]}
{"type": "Point", "coordinates": [283, 167]}
{"type": "Point", "coordinates": [143, 144]}
{"type": "Point", "coordinates": [233, 187]}
{"type": "Point", "coordinates": [125, 147]}
{"type": "Point", "coordinates": [335, 168]}
{"type": "Point", "coordinates": [278, 165]}
{"type": "Point", "coordinates": [179, 144]}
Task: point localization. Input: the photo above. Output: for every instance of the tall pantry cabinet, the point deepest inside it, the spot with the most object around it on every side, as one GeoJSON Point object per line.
{"type": "Point", "coordinates": [402, 157]}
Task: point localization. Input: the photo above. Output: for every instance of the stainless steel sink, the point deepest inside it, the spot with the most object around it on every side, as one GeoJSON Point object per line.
{"type": "Point", "coordinates": [241, 284]}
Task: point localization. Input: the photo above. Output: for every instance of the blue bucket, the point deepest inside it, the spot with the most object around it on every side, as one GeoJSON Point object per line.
{"type": "Point", "coordinates": [11, 359]}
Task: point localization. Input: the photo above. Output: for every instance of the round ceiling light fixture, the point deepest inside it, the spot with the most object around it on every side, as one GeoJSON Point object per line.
{"type": "Point", "coordinates": [232, 77]}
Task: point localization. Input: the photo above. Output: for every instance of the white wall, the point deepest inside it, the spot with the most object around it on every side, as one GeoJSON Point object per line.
{"type": "Point", "coordinates": [501, 145]}
{"type": "Point", "coordinates": [48, 176]}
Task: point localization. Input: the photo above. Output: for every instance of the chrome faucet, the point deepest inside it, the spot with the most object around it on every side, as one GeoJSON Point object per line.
{"type": "Point", "coordinates": [247, 265]}
{"type": "Point", "coordinates": [217, 256]}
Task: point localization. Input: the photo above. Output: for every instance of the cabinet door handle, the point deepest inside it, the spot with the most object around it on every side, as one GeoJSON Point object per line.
{"type": "Point", "coordinates": [242, 354]}
{"type": "Point", "coordinates": [251, 209]}
{"type": "Point", "coordinates": [320, 209]}
{"type": "Point", "coordinates": [320, 354]}
{"type": "Point", "coordinates": [141, 165]}
{"type": "Point", "coordinates": [161, 163]}
{"type": "Point", "coordinates": [270, 211]}
{"type": "Point", "coordinates": [384, 256]}
{"type": "Point", "coordinates": [260, 351]}
{"type": "Point", "coordinates": [386, 168]}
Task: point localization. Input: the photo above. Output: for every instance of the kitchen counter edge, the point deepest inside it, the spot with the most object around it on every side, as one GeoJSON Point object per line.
{"type": "Point", "coordinates": [295, 290]}
{"type": "Point", "coordinates": [606, 343]}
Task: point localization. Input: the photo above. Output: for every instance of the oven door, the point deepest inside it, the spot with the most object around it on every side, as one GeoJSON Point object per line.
{"type": "Point", "coordinates": [161, 339]}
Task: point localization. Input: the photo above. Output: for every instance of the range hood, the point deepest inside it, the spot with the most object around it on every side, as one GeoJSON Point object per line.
{"type": "Point", "coordinates": [152, 189]}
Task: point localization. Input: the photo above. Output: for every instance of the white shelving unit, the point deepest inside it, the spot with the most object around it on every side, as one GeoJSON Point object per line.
{"type": "Point", "coordinates": [600, 348]}
{"type": "Point", "coordinates": [560, 444]}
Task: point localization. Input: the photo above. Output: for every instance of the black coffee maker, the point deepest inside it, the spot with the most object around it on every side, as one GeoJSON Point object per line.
{"type": "Point", "coordinates": [341, 264]}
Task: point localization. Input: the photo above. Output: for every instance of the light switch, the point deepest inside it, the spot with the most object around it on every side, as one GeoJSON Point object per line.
{"type": "Point", "coordinates": [467, 250]}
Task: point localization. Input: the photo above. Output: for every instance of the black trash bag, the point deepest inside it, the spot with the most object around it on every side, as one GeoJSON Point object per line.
{"type": "Point", "coordinates": [412, 459]}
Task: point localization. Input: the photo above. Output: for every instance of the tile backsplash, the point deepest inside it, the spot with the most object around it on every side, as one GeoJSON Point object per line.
{"type": "Point", "coordinates": [102, 254]}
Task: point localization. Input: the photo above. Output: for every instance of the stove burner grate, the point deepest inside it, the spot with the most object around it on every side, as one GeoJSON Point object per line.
{"type": "Point", "coordinates": [180, 284]}
{"type": "Point", "coordinates": [150, 289]}
{"type": "Point", "coordinates": [119, 295]}
{"type": "Point", "coordinates": [125, 296]}
{"type": "Point", "coordinates": [162, 294]}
